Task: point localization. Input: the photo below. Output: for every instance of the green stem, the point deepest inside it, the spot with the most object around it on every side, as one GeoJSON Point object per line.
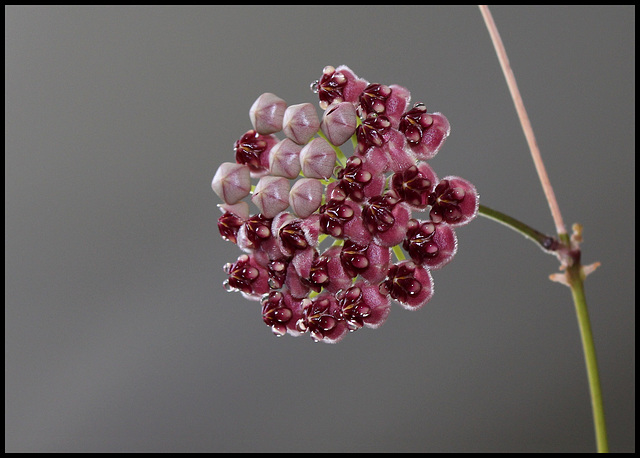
{"type": "Point", "coordinates": [544, 241]}
{"type": "Point", "coordinates": [576, 282]}
{"type": "Point", "coordinates": [398, 252]}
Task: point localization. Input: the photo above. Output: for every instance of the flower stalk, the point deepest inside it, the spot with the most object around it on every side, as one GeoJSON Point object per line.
{"type": "Point", "coordinates": [567, 250]}
{"type": "Point", "coordinates": [547, 243]}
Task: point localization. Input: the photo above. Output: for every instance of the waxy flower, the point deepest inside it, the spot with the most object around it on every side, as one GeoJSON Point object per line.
{"type": "Point", "coordinates": [425, 132]}
{"type": "Point", "coordinates": [335, 238]}
{"type": "Point", "coordinates": [252, 150]}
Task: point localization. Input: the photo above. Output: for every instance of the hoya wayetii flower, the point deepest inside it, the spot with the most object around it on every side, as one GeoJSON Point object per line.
{"type": "Point", "coordinates": [334, 232]}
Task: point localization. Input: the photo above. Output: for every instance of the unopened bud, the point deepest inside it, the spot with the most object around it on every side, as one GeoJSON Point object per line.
{"type": "Point", "coordinates": [339, 123]}
{"type": "Point", "coordinates": [318, 159]}
{"type": "Point", "coordinates": [232, 182]}
{"type": "Point", "coordinates": [267, 113]}
{"type": "Point", "coordinates": [284, 159]}
{"type": "Point", "coordinates": [305, 196]}
{"type": "Point", "coordinates": [271, 195]}
{"type": "Point", "coordinates": [300, 122]}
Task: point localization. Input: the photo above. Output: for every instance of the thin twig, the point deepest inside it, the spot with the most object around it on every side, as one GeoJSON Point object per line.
{"type": "Point", "coordinates": [524, 119]}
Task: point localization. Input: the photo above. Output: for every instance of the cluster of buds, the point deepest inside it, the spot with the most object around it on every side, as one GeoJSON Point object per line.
{"type": "Point", "coordinates": [335, 239]}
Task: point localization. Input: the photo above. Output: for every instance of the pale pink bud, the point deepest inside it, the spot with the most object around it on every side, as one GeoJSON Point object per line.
{"type": "Point", "coordinates": [339, 122]}
{"type": "Point", "coordinates": [305, 196]}
{"type": "Point", "coordinates": [300, 122]}
{"type": "Point", "coordinates": [271, 195]}
{"type": "Point", "coordinates": [284, 159]}
{"type": "Point", "coordinates": [318, 159]}
{"type": "Point", "coordinates": [232, 182]}
{"type": "Point", "coordinates": [267, 113]}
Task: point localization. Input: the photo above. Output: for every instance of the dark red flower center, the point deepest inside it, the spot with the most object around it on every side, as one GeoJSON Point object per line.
{"type": "Point", "coordinates": [292, 237]}
{"type": "Point", "coordinates": [377, 213]}
{"type": "Point", "coordinates": [258, 228]}
{"type": "Point", "coordinates": [330, 87]}
{"type": "Point", "coordinates": [277, 271]}
{"type": "Point", "coordinates": [275, 313]}
{"type": "Point", "coordinates": [445, 203]}
{"type": "Point", "coordinates": [370, 132]}
{"type": "Point", "coordinates": [353, 179]}
{"type": "Point", "coordinates": [400, 283]}
{"type": "Point", "coordinates": [333, 216]}
{"type": "Point", "coordinates": [373, 99]}
{"type": "Point", "coordinates": [241, 275]}
{"type": "Point", "coordinates": [317, 318]}
{"type": "Point", "coordinates": [319, 276]}
{"type": "Point", "coordinates": [228, 225]}
{"type": "Point", "coordinates": [414, 122]}
{"type": "Point", "coordinates": [352, 308]}
{"type": "Point", "coordinates": [419, 242]}
{"type": "Point", "coordinates": [249, 149]}
{"type": "Point", "coordinates": [354, 258]}
{"type": "Point", "coordinates": [411, 186]}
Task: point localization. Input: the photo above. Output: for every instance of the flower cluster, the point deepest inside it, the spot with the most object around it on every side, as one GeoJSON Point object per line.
{"type": "Point", "coordinates": [390, 221]}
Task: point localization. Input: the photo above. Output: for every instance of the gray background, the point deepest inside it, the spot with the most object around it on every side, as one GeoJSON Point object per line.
{"type": "Point", "coordinates": [118, 334]}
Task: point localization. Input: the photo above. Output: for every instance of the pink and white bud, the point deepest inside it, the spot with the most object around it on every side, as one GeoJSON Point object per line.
{"type": "Point", "coordinates": [271, 195]}
{"type": "Point", "coordinates": [284, 159]}
{"type": "Point", "coordinates": [232, 182]}
{"type": "Point", "coordinates": [339, 123]}
{"type": "Point", "coordinates": [300, 122]}
{"type": "Point", "coordinates": [317, 159]}
{"type": "Point", "coordinates": [267, 113]}
{"type": "Point", "coordinates": [305, 196]}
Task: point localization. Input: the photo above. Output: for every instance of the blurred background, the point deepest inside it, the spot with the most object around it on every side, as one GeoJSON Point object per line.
{"type": "Point", "coordinates": [118, 333]}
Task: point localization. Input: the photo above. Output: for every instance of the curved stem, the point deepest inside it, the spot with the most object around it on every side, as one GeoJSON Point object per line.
{"type": "Point", "coordinates": [544, 241]}
{"type": "Point", "coordinates": [575, 278]}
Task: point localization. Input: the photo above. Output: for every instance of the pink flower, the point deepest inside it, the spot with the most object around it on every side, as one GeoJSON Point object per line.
{"type": "Point", "coordinates": [454, 201]}
{"type": "Point", "coordinates": [429, 244]}
{"type": "Point", "coordinates": [252, 150]}
{"type": "Point", "coordinates": [338, 85]}
{"type": "Point", "coordinates": [425, 132]}
{"type": "Point", "coordinates": [319, 319]}
{"type": "Point", "coordinates": [350, 243]}
{"type": "Point", "coordinates": [363, 305]}
{"type": "Point", "coordinates": [408, 284]}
